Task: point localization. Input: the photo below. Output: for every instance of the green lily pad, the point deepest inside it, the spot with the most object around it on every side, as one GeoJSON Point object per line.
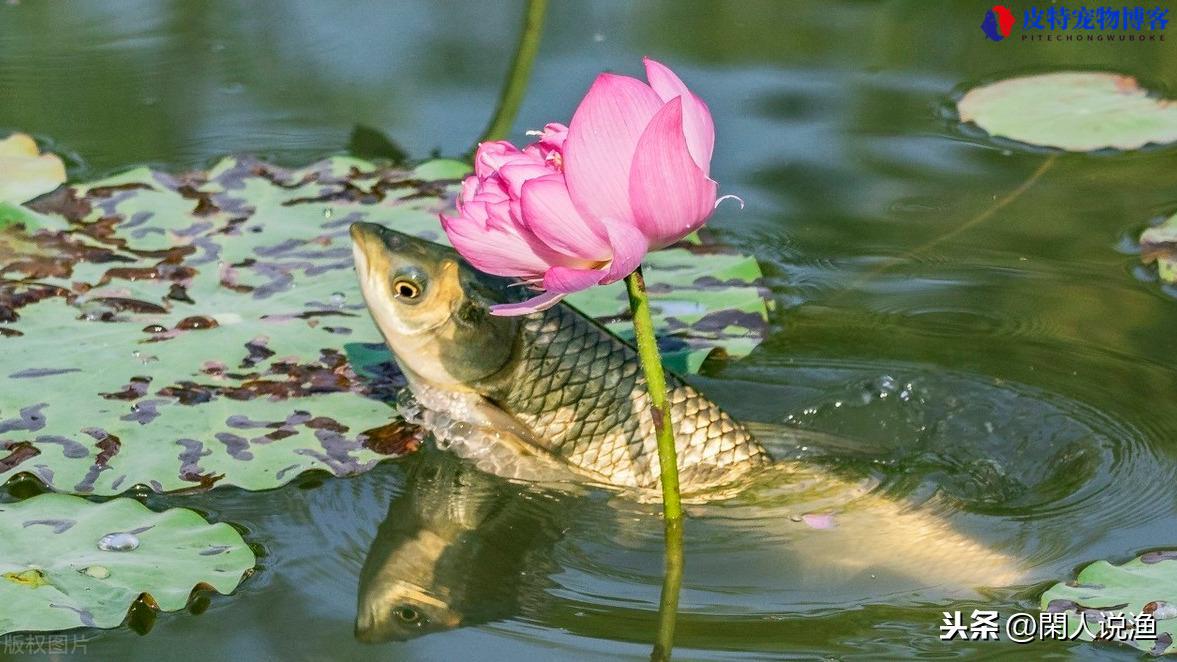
{"type": "Point", "coordinates": [188, 331]}
{"type": "Point", "coordinates": [61, 567]}
{"type": "Point", "coordinates": [1159, 244]}
{"type": "Point", "coordinates": [25, 172]}
{"type": "Point", "coordinates": [1072, 111]}
{"type": "Point", "coordinates": [1104, 596]}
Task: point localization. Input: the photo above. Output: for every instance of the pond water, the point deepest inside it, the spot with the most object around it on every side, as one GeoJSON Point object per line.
{"type": "Point", "coordinates": [990, 349]}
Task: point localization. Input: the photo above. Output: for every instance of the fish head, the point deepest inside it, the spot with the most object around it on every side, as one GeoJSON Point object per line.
{"type": "Point", "coordinates": [400, 611]}
{"type": "Point", "coordinates": [432, 307]}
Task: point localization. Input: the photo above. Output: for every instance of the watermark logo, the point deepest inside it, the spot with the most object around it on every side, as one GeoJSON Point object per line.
{"type": "Point", "coordinates": [44, 644]}
{"type": "Point", "coordinates": [1056, 22]}
{"type": "Point", "coordinates": [1022, 628]}
{"type": "Point", "coordinates": [999, 22]}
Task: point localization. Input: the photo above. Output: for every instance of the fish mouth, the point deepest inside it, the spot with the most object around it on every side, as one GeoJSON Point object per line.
{"type": "Point", "coordinates": [369, 237]}
{"type": "Point", "coordinates": [375, 246]}
{"type": "Point", "coordinates": [376, 630]}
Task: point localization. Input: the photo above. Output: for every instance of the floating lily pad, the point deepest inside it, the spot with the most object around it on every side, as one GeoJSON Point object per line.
{"type": "Point", "coordinates": [66, 562]}
{"type": "Point", "coordinates": [207, 329]}
{"type": "Point", "coordinates": [1104, 596]}
{"type": "Point", "coordinates": [25, 172]}
{"type": "Point", "coordinates": [1159, 244]}
{"type": "Point", "coordinates": [1073, 111]}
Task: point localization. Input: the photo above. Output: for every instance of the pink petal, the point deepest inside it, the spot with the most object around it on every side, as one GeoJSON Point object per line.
{"type": "Point", "coordinates": [534, 304]}
{"type": "Point", "coordinates": [549, 213]}
{"type": "Point", "coordinates": [475, 211]}
{"type": "Point", "coordinates": [819, 520]}
{"type": "Point", "coordinates": [629, 249]}
{"type": "Point", "coordinates": [515, 175]}
{"type": "Point", "coordinates": [503, 251]}
{"type": "Point", "coordinates": [554, 135]}
{"type": "Point", "coordinates": [602, 137]}
{"type": "Point", "coordinates": [566, 280]}
{"type": "Point", "coordinates": [493, 155]}
{"type": "Point", "coordinates": [490, 190]}
{"type": "Point", "coordinates": [672, 197]}
{"type": "Point", "coordinates": [697, 124]}
{"type": "Point", "coordinates": [469, 190]}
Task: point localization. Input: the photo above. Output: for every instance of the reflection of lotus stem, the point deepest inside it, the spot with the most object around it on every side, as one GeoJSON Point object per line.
{"type": "Point", "coordinates": [967, 225]}
{"type": "Point", "coordinates": [516, 87]}
{"type": "Point", "coordinates": [643, 327]}
{"type": "Point", "coordinates": [671, 582]}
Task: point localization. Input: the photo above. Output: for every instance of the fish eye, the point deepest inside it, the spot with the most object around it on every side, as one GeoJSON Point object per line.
{"type": "Point", "coordinates": [407, 614]}
{"type": "Point", "coordinates": [408, 285]}
{"type": "Point", "coordinates": [406, 289]}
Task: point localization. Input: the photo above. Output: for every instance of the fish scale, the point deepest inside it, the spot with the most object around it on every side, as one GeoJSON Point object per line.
{"type": "Point", "coordinates": [579, 390]}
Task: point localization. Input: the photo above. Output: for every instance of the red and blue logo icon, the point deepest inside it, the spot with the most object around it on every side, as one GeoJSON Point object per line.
{"type": "Point", "coordinates": [998, 23]}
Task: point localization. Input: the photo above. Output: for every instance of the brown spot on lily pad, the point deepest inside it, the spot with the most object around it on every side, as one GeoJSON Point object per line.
{"type": "Point", "coordinates": [137, 388]}
{"type": "Point", "coordinates": [396, 438]}
{"type": "Point", "coordinates": [17, 453]}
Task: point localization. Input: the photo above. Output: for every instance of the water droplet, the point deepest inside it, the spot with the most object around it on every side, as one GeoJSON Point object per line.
{"type": "Point", "coordinates": [97, 571]}
{"type": "Point", "coordinates": [328, 212]}
{"type": "Point", "coordinates": [907, 392]}
{"type": "Point", "coordinates": [118, 542]}
{"type": "Point", "coordinates": [885, 385]}
{"type": "Point", "coordinates": [337, 298]}
{"type": "Point", "coordinates": [197, 322]}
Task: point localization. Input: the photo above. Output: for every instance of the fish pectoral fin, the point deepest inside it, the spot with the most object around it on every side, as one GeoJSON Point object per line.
{"type": "Point", "coordinates": [498, 443]}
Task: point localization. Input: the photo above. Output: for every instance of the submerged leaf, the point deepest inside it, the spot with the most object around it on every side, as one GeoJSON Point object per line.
{"type": "Point", "coordinates": [1105, 597]}
{"type": "Point", "coordinates": [184, 332]}
{"type": "Point", "coordinates": [25, 172]}
{"type": "Point", "coordinates": [59, 575]}
{"type": "Point", "coordinates": [369, 143]}
{"type": "Point", "coordinates": [1073, 111]}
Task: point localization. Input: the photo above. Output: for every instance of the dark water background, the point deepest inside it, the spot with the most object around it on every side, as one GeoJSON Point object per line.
{"type": "Point", "coordinates": [1018, 374]}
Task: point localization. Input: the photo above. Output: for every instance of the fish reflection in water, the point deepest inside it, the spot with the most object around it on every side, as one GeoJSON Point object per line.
{"type": "Point", "coordinates": [462, 547]}
{"type": "Point", "coordinates": [457, 548]}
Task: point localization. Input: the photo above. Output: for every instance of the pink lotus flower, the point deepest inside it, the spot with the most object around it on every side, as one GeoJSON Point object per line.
{"type": "Point", "coordinates": [585, 203]}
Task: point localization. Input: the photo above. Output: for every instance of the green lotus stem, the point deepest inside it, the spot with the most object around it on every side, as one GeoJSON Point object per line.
{"type": "Point", "coordinates": [643, 327]}
{"type": "Point", "coordinates": [671, 583]}
{"type": "Point", "coordinates": [520, 73]}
